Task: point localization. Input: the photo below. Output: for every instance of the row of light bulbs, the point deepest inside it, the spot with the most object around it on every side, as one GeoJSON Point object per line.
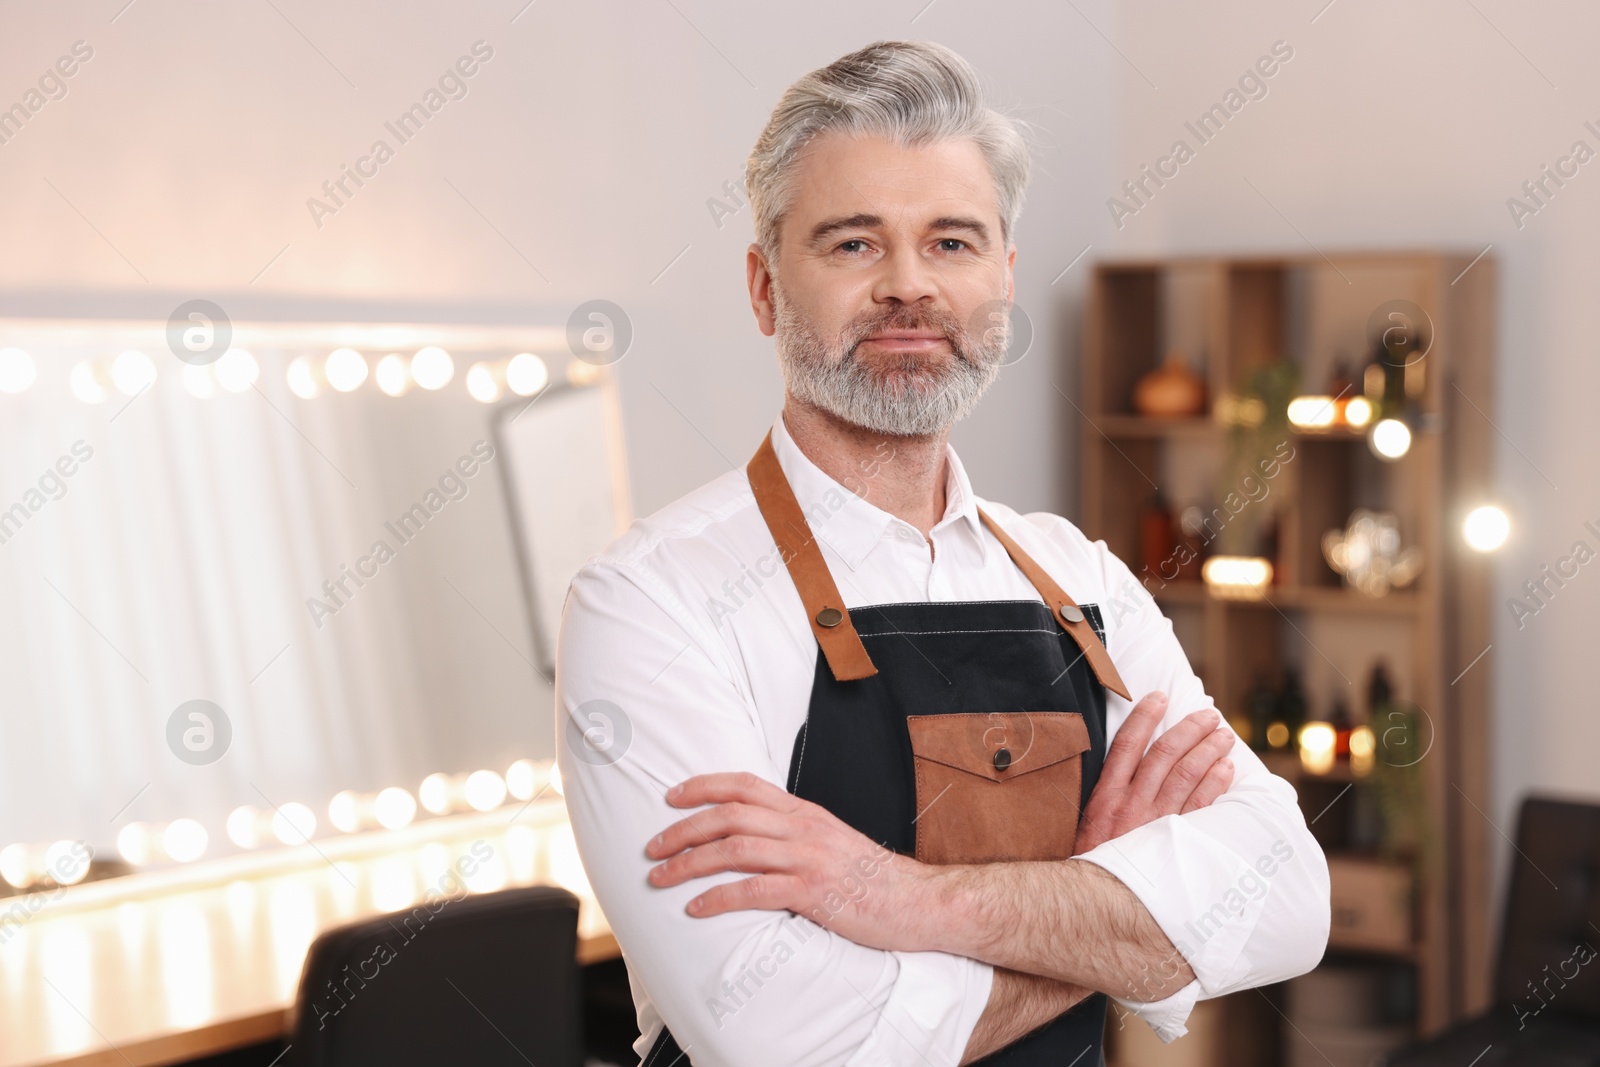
{"type": "Point", "coordinates": [343, 370]}
{"type": "Point", "coordinates": [185, 840]}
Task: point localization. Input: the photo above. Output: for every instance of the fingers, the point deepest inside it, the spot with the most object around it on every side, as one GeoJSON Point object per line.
{"type": "Point", "coordinates": [724, 788]}
{"type": "Point", "coordinates": [1186, 775]}
{"type": "Point", "coordinates": [723, 820]}
{"type": "Point", "coordinates": [766, 892]}
{"type": "Point", "coordinates": [1127, 749]}
{"type": "Point", "coordinates": [1212, 786]}
{"type": "Point", "coordinates": [1169, 748]}
{"type": "Point", "coordinates": [740, 854]}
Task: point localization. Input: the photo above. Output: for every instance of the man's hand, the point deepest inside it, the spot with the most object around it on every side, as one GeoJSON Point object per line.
{"type": "Point", "coordinates": [799, 857]}
{"type": "Point", "coordinates": [1187, 768]}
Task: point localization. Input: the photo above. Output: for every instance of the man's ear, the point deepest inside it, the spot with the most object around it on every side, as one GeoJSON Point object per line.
{"type": "Point", "coordinates": [1011, 286]}
{"type": "Point", "coordinates": [759, 279]}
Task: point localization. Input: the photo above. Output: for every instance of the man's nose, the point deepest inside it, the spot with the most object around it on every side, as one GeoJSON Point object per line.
{"type": "Point", "coordinates": [906, 275]}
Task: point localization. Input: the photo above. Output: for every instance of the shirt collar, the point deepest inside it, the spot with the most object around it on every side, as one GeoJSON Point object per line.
{"type": "Point", "coordinates": [850, 525]}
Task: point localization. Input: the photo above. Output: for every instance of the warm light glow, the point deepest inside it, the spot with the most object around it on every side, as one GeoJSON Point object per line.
{"type": "Point", "coordinates": [184, 840]}
{"type": "Point", "coordinates": [435, 793]}
{"type": "Point", "coordinates": [244, 827]}
{"type": "Point", "coordinates": [237, 370]}
{"type": "Point", "coordinates": [432, 367]}
{"type": "Point", "coordinates": [14, 866]}
{"type": "Point", "coordinates": [1278, 734]}
{"type": "Point", "coordinates": [394, 375]}
{"type": "Point", "coordinates": [1391, 439]}
{"type": "Point", "coordinates": [66, 862]}
{"type": "Point", "coordinates": [344, 812]}
{"type": "Point", "coordinates": [132, 372]}
{"type": "Point", "coordinates": [526, 374]}
{"type": "Point", "coordinates": [485, 790]}
{"type": "Point", "coordinates": [198, 381]}
{"type": "Point", "coordinates": [302, 379]}
{"type": "Point", "coordinates": [294, 823]}
{"type": "Point", "coordinates": [1363, 749]}
{"type": "Point", "coordinates": [522, 779]}
{"type": "Point", "coordinates": [394, 808]}
{"type": "Point", "coordinates": [1237, 577]}
{"type": "Point", "coordinates": [1486, 528]}
{"type": "Point", "coordinates": [481, 385]}
{"type": "Point", "coordinates": [1312, 412]}
{"type": "Point", "coordinates": [555, 779]}
{"type": "Point", "coordinates": [1358, 411]}
{"type": "Point", "coordinates": [133, 843]}
{"type": "Point", "coordinates": [345, 369]}
{"type": "Point", "coordinates": [1316, 747]}
{"type": "Point", "coordinates": [86, 385]}
{"type": "Point", "coordinates": [16, 370]}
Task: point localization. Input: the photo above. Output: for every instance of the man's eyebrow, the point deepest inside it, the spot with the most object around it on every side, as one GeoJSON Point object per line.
{"type": "Point", "coordinates": [866, 221]}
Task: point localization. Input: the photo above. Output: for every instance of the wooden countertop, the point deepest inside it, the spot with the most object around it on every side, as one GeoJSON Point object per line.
{"type": "Point", "coordinates": [164, 966]}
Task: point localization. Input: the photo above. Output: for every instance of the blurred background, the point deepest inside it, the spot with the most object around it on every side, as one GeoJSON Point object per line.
{"type": "Point", "coordinates": [564, 182]}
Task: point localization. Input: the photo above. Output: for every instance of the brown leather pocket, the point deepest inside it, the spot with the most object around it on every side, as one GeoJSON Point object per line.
{"type": "Point", "coordinates": [997, 787]}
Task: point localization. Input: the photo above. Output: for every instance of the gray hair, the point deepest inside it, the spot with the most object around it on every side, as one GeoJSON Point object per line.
{"type": "Point", "coordinates": [914, 92]}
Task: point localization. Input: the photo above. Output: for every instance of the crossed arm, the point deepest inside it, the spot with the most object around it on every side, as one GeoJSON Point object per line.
{"type": "Point", "coordinates": [1055, 931]}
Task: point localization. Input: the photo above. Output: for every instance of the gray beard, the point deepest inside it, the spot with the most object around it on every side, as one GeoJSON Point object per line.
{"type": "Point", "coordinates": [829, 375]}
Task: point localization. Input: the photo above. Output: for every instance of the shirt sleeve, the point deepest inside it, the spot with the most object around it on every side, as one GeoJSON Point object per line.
{"type": "Point", "coordinates": [646, 697]}
{"type": "Point", "coordinates": [1240, 887]}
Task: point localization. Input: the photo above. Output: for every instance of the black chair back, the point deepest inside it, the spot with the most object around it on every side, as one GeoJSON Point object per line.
{"type": "Point", "coordinates": [1552, 925]}
{"type": "Point", "coordinates": [485, 979]}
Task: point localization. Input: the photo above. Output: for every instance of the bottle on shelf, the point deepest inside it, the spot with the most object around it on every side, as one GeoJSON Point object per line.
{"type": "Point", "coordinates": [1260, 704]}
{"type": "Point", "coordinates": [1290, 713]}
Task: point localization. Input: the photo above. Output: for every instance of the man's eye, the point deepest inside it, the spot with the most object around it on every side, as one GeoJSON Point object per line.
{"type": "Point", "coordinates": [953, 241]}
{"type": "Point", "coordinates": [844, 246]}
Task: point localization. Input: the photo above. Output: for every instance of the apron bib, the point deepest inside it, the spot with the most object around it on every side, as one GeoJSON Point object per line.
{"type": "Point", "coordinates": [953, 731]}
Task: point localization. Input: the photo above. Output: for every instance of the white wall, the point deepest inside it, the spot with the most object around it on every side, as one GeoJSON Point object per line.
{"type": "Point", "coordinates": [180, 161]}
{"type": "Point", "coordinates": [1409, 126]}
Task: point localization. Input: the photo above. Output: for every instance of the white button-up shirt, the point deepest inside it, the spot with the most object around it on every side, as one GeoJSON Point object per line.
{"type": "Point", "coordinates": [685, 650]}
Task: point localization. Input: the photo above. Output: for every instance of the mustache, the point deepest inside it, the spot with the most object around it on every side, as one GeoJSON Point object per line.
{"type": "Point", "coordinates": [944, 324]}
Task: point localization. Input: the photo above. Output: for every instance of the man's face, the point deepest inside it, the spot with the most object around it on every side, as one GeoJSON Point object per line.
{"type": "Point", "coordinates": [887, 300]}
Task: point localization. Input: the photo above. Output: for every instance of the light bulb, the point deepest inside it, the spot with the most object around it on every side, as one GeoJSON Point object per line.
{"type": "Point", "coordinates": [1391, 439]}
{"type": "Point", "coordinates": [394, 376]}
{"type": "Point", "coordinates": [244, 827]}
{"type": "Point", "coordinates": [432, 367]}
{"type": "Point", "coordinates": [522, 779]}
{"type": "Point", "coordinates": [198, 381]}
{"type": "Point", "coordinates": [345, 369]}
{"type": "Point", "coordinates": [184, 840]}
{"type": "Point", "coordinates": [1312, 412]}
{"type": "Point", "coordinates": [85, 384]}
{"type": "Point", "coordinates": [1358, 411]}
{"type": "Point", "coordinates": [14, 866]}
{"type": "Point", "coordinates": [526, 374]}
{"type": "Point", "coordinates": [435, 794]}
{"type": "Point", "coordinates": [133, 843]}
{"type": "Point", "coordinates": [294, 823]}
{"type": "Point", "coordinates": [302, 379]}
{"type": "Point", "coordinates": [237, 370]}
{"type": "Point", "coordinates": [1486, 528]}
{"type": "Point", "coordinates": [344, 812]}
{"type": "Point", "coordinates": [485, 790]}
{"type": "Point", "coordinates": [394, 808]}
{"type": "Point", "coordinates": [67, 862]}
{"type": "Point", "coordinates": [16, 370]}
{"type": "Point", "coordinates": [132, 372]}
{"type": "Point", "coordinates": [481, 385]}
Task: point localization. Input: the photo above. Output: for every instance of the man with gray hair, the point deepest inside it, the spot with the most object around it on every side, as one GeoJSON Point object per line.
{"type": "Point", "coordinates": [853, 757]}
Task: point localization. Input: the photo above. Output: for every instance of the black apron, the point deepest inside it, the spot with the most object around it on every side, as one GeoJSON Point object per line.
{"type": "Point", "coordinates": [1024, 676]}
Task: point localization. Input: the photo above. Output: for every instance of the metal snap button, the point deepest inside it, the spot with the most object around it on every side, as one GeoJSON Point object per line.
{"type": "Point", "coordinates": [1002, 759]}
{"type": "Point", "coordinates": [1071, 613]}
{"type": "Point", "coordinates": [830, 617]}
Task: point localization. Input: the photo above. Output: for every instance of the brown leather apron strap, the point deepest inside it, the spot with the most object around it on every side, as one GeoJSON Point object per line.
{"type": "Point", "coordinates": [1064, 609]}
{"type": "Point", "coordinates": [836, 634]}
{"type": "Point", "coordinates": [830, 622]}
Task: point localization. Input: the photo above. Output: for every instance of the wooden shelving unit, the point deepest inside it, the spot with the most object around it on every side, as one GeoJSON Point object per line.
{"type": "Point", "coordinates": [1231, 317]}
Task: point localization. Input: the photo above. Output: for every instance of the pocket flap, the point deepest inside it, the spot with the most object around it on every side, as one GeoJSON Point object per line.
{"type": "Point", "coordinates": [971, 743]}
